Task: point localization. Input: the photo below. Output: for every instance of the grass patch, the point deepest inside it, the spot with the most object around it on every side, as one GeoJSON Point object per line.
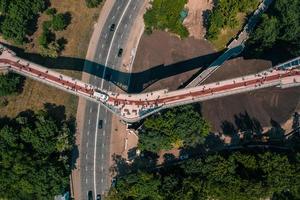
{"type": "Point", "coordinates": [228, 34]}
{"type": "Point", "coordinates": [165, 15]}
{"type": "Point", "coordinates": [78, 34]}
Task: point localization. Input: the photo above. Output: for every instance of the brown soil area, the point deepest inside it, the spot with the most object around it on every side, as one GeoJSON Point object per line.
{"type": "Point", "coordinates": [266, 104]}
{"type": "Point", "coordinates": [161, 49]}
{"type": "Point", "coordinates": [197, 13]}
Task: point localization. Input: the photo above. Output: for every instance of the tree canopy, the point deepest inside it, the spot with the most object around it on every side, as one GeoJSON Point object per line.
{"type": "Point", "coordinates": [279, 27]}
{"type": "Point", "coordinates": [234, 176]}
{"type": "Point", "coordinates": [9, 84]}
{"type": "Point", "coordinates": [180, 126]}
{"type": "Point", "coordinates": [19, 18]}
{"type": "Point", "coordinates": [224, 14]}
{"type": "Point", "coordinates": [35, 155]}
{"type": "Point", "coordinates": [166, 15]}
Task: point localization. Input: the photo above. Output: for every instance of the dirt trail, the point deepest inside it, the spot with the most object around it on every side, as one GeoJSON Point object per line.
{"type": "Point", "coordinates": [197, 13]}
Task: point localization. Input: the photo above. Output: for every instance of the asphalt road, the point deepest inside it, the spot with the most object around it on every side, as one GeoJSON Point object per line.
{"type": "Point", "coordinates": [95, 142]}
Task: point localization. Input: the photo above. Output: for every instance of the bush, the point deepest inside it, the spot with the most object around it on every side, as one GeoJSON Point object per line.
{"type": "Point", "coordinates": [51, 11]}
{"type": "Point", "coordinates": [58, 22]}
{"type": "Point", "coordinates": [9, 84]}
{"type": "Point", "coordinates": [92, 3]}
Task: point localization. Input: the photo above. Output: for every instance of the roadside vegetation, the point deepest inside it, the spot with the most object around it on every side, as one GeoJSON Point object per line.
{"type": "Point", "coordinates": [279, 28]}
{"type": "Point", "coordinates": [227, 18]}
{"type": "Point", "coordinates": [92, 3]}
{"type": "Point", "coordinates": [18, 18]}
{"type": "Point", "coordinates": [10, 84]}
{"type": "Point", "coordinates": [73, 42]}
{"type": "Point", "coordinates": [49, 45]}
{"type": "Point", "coordinates": [177, 127]}
{"type": "Point", "coordinates": [165, 15]}
{"type": "Point", "coordinates": [35, 151]}
{"type": "Point", "coordinates": [222, 176]}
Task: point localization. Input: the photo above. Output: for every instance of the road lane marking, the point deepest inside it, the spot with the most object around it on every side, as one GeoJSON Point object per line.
{"type": "Point", "coordinates": [86, 156]}
{"type": "Point", "coordinates": [101, 168]}
{"type": "Point", "coordinates": [104, 121]}
{"type": "Point", "coordinates": [88, 132]}
{"type": "Point", "coordinates": [106, 61]}
{"type": "Point", "coordinates": [130, 16]}
{"type": "Point", "coordinates": [134, 7]}
{"type": "Point", "coordinates": [105, 36]}
{"type": "Point", "coordinates": [118, 7]}
{"type": "Point", "coordinates": [102, 46]}
{"type": "Point", "coordinates": [113, 17]}
{"type": "Point", "coordinates": [102, 156]}
{"type": "Point", "coordinates": [101, 180]}
{"type": "Point", "coordinates": [86, 180]}
{"type": "Point", "coordinates": [103, 133]}
{"type": "Point", "coordinates": [102, 145]}
{"type": "Point", "coordinates": [91, 110]}
{"type": "Point", "coordinates": [87, 144]}
{"type": "Point", "coordinates": [86, 168]}
{"type": "Point", "coordinates": [89, 121]}
{"type": "Point", "coordinates": [122, 36]}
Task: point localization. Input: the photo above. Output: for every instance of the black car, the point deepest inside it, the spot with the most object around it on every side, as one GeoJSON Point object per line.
{"type": "Point", "coordinates": [120, 52]}
{"type": "Point", "coordinates": [112, 27]}
{"type": "Point", "coordinates": [98, 197]}
{"type": "Point", "coordinates": [90, 195]}
{"type": "Point", "coordinates": [100, 124]}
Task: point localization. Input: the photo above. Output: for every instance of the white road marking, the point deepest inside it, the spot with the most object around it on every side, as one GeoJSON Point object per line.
{"type": "Point", "coordinates": [87, 144]}
{"type": "Point", "coordinates": [130, 16]}
{"type": "Point", "coordinates": [85, 168]}
{"type": "Point", "coordinates": [86, 180]}
{"type": "Point", "coordinates": [91, 110]}
{"type": "Point", "coordinates": [102, 145]}
{"type": "Point", "coordinates": [103, 133]}
{"type": "Point", "coordinates": [86, 156]}
{"type": "Point", "coordinates": [104, 121]}
{"type": "Point", "coordinates": [134, 7]}
{"type": "Point", "coordinates": [113, 17]}
{"type": "Point", "coordinates": [101, 168]}
{"type": "Point", "coordinates": [102, 156]}
{"type": "Point", "coordinates": [88, 132]}
{"type": "Point", "coordinates": [122, 36]}
{"type": "Point", "coordinates": [89, 121]}
{"type": "Point", "coordinates": [106, 61]}
{"type": "Point", "coordinates": [105, 36]}
{"type": "Point", "coordinates": [101, 180]}
{"type": "Point", "coordinates": [102, 46]}
{"type": "Point", "coordinates": [118, 7]}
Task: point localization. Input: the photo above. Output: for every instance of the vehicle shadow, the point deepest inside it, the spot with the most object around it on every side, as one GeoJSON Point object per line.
{"type": "Point", "coordinates": [130, 82]}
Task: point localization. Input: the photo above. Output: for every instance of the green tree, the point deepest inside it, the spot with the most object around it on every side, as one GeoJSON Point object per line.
{"type": "Point", "coordinates": [59, 22]}
{"type": "Point", "coordinates": [9, 84]}
{"type": "Point", "coordinates": [181, 126]}
{"type": "Point", "coordinates": [92, 3]}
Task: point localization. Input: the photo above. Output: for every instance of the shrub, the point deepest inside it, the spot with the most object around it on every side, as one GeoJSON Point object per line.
{"type": "Point", "coordinates": [92, 3]}
{"type": "Point", "coordinates": [58, 22]}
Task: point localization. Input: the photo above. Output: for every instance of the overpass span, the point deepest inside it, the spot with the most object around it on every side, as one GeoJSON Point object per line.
{"type": "Point", "coordinates": [134, 107]}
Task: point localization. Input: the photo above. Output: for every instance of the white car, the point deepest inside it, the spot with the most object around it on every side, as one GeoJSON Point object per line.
{"type": "Point", "coordinates": [100, 95]}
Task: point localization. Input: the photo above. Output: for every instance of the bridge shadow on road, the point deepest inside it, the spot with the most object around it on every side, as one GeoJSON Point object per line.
{"type": "Point", "coordinates": [130, 82]}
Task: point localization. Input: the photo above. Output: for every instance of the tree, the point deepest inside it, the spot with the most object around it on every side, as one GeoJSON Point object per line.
{"type": "Point", "coordinates": [32, 146]}
{"type": "Point", "coordinates": [181, 126]}
{"type": "Point", "coordinates": [92, 3]}
{"type": "Point", "coordinates": [9, 84]}
{"type": "Point", "coordinates": [58, 22]}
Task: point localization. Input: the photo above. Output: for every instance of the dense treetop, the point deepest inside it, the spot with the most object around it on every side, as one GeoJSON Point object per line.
{"type": "Point", "coordinates": [35, 155]}
{"type": "Point", "coordinates": [279, 27]}
{"type": "Point", "coordinates": [176, 127]}
{"type": "Point", "coordinates": [18, 18]}
{"type": "Point", "coordinates": [9, 84]}
{"type": "Point", "coordinates": [237, 176]}
{"type": "Point", "coordinates": [224, 15]}
{"type": "Point", "coordinates": [166, 15]}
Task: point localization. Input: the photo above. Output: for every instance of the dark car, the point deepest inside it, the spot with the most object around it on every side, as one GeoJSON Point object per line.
{"type": "Point", "coordinates": [113, 182]}
{"type": "Point", "coordinates": [100, 124]}
{"type": "Point", "coordinates": [98, 197]}
{"type": "Point", "coordinates": [112, 27]}
{"type": "Point", "coordinates": [120, 52]}
{"type": "Point", "coordinates": [90, 195]}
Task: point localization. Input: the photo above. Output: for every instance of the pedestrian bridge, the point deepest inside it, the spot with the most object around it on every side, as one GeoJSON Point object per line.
{"type": "Point", "coordinates": [134, 107]}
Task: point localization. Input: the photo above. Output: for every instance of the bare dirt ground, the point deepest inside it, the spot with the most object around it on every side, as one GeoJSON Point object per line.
{"type": "Point", "coordinates": [197, 13]}
{"type": "Point", "coordinates": [264, 105]}
{"type": "Point", "coordinates": [164, 50]}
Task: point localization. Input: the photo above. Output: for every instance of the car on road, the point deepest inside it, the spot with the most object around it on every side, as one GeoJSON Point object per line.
{"type": "Point", "coordinates": [100, 124]}
{"type": "Point", "coordinates": [90, 195]}
{"type": "Point", "coordinates": [112, 27]}
{"type": "Point", "coordinates": [98, 197]}
{"type": "Point", "coordinates": [120, 52]}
